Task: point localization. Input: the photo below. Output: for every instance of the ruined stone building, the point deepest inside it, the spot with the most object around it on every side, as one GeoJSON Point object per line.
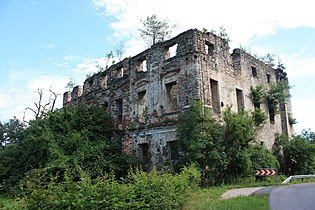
{"type": "Point", "coordinates": [146, 93]}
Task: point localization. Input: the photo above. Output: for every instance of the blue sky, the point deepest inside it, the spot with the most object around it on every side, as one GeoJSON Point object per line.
{"type": "Point", "coordinates": [45, 43]}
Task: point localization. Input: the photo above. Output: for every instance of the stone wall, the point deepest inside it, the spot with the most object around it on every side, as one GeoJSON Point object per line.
{"type": "Point", "coordinates": [146, 93]}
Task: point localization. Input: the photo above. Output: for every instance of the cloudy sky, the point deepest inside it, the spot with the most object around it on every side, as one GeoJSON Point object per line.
{"type": "Point", "coordinates": [45, 43]}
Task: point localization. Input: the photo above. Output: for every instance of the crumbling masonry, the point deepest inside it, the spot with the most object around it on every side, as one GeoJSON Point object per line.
{"type": "Point", "coordinates": [146, 93]}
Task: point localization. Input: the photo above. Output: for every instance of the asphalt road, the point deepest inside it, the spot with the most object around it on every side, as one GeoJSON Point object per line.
{"type": "Point", "coordinates": [293, 197]}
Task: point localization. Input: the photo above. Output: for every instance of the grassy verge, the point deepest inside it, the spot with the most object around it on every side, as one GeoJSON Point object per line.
{"type": "Point", "coordinates": [300, 181]}
{"type": "Point", "coordinates": [205, 199]}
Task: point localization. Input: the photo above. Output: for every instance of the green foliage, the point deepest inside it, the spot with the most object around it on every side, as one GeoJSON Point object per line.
{"type": "Point", "coordinates": [308, 135]}
{"type": "Point", "coordinates": [257, 95]}
{"type": "Point", "coordinates": [11, 167]}
{"type": "Point", "coordinates": [12, 132]}
{"type": "Point", "coordinates": [12, 136]}
{"type": "Point", "coordinates": [268, 59]}
{"type": "Point", "coordinates": [210, 198]}
{"type": "Point", "coordinates": [259, 117]}
{"type": "Point", "coordinates": [140, 190]}
{"type": "Point", "coordinates": [276, 94]}
{"type": "Point", "coordinates": [299, 157]}
{"type": "Point", "coordinates": [154, 30]}
{"type": "Point", "coordinates": [292, 120]}
{"type": "Point", "coordinates": [66, 139]}
{"type": "Point", "coordinates": [239, 132]}
{"type": "Point", "coordinates": [262, 158]}
{"type": "Point", "coordinates": [277, 149]}
{"type": "Point", "coordinates": [200, 141]}
{"type": "Point", "coordinates": [77, 136]}
{"type": "Point", "coordinates": [225, 152]}
{"type": "Point", "coordinates": [296, 155]}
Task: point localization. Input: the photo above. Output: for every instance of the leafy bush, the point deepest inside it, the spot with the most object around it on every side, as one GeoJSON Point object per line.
{"type": "Point", "coordinates": [262, 158]}
{"type": "Point", "coordinates": [225, 151]}
{"type": "Point", "coordinates": [71, 137]}
{"type": "Point", "coordinates": [296, 155]}
{"type": "Point", "coordinates": [140, 190]}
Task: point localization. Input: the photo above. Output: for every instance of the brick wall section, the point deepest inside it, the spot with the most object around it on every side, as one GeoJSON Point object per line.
{"type": "Point", "coordinates": [146, 93]}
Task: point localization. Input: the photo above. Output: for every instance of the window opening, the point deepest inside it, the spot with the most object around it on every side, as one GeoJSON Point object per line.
{"type": "Point", "coordinates": [215, 97]}
{"type": "Point", "coordinates": [240, 100]}
{"type": "Point", "coordinates": [172, 150]}
{"type": "Point", "coordinates": [254, 71]}
{"type": "Point", "coordinates": [268, 78]}
{"type": "Point", "coordinates": [120, 109]}
{"type": "Point", "coordinates": [142, 65]}
{"type": "Point", "coordinates": [91, 82]}
{"type": "Point", "coordinates": [171, 96]}
{"type": "Point", "coordinates": [144, 150]}
{"type": "Point", "coordinates": [171, 51]}
{"type": "Point", "coordinates": [120, 72]}
{"type": "Point", "coordinates": [142, 106]}
{"type": "Point", "coordinates": [104, 82]}
{"type": "Point", "coordinates": [209, 48]}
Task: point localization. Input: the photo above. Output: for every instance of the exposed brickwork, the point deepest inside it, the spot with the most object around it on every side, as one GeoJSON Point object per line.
{"type": "Point", "coordinates": [145, 93]}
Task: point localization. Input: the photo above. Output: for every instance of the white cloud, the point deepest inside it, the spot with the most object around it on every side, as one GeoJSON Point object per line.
{"type": "Point", "coordinates": [50, 46]}
{"type": "Point", "coordinates": [300, 67]}
{"type": "Point", "coordinates": [242, 19]}
{"type": "Point", "coordinates": [304, 112]}
{"type": "Point", "coordinates": [72, 58]}
{"type": "Point", "coordinates": [15, 100]}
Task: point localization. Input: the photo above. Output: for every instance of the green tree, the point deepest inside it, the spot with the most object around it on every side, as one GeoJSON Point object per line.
{"type": "Point", "coordinates": [225, 151]}
{"type": "Point", "coordinates": [67, 139]}
{"type": "Point", "coordinates": [308, 135]}
{"type": "Point", "coordinates": [200, 141]}
{"type": "Point", "coordinates": [12, 132]}
{"type": "Point", "coordinates": [154, 30]}
{"type": "Point", "coordinates": [299, 156]}
{"type": "Point", "coordinates": [76, 136]}
{"type": "Point", "coordinates": [296, 155]}
{"type": "Point", "coordinates": [238, 134]}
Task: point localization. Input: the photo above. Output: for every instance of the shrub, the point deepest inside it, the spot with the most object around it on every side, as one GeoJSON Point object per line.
{"type": "Point", "coordinates": [140, 190]}
{"type": "Point", "coordinates": [262, 158]}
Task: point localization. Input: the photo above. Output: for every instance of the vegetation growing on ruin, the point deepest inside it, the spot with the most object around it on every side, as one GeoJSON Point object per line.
{"type": "Point", "coordinates": [257, 95]}
{"type": "Point", "coordinates": [68, 160]}
{"type": "Point", "coordinates": [225, 152]}
{"type": "Point", "coordinates": [276, 94]}
{"type": "Point", "coordinates": [155, 30]}
{"type": "Point", "coordinates": [259, 117]}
